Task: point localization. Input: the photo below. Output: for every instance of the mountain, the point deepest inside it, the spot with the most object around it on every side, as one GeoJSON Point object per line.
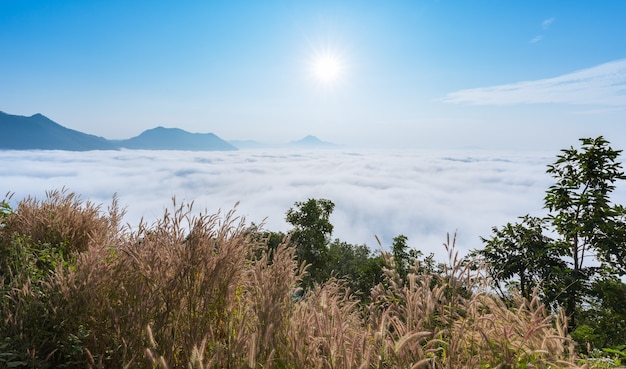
{"type": "Point", "coordinates": [310, 142]}
{"type": "Point", "coordinates": [161, 138]}
{"type": "Point", "coordinates": [38, 132]}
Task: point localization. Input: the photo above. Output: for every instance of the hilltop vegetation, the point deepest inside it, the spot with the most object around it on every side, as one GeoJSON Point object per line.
{"type": "Point", "coordinates": [79, 290]}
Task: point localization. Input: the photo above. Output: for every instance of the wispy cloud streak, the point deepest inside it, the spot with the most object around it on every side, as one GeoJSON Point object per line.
{"type": "Point", "coordinates": [547, 23]}
{"type": "Point", "coordinates": [544, 26]}
{"type": "Point", "coordinates": [604, 84]}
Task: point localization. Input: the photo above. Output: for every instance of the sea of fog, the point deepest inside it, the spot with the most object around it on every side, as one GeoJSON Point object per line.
{"type": "Point", "coordinates": [422, 194]}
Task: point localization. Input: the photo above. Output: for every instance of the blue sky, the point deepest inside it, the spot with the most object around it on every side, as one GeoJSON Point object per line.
{"type": "Point", "coordinates": [492, 74]}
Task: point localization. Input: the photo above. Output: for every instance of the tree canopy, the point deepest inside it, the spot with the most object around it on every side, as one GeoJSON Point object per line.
{"type": "Point", "coordinates": [587, 235]}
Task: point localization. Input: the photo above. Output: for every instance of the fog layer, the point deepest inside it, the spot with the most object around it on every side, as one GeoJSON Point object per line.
{"type": "Point", "coordinates": [421, 194]}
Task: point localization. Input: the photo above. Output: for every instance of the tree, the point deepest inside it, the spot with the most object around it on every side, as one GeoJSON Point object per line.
{"type": "Point", "coordinates": [356, 265]}
{"type": "Point", "coordinates": [605, 325]}
{"type": "Point", "coordinates": [403, 257]}
{"type": "Point", "coordinates": [582, 215]}
{"type": "Point", "coordinates": [585, 224]}
{"type": "Point", "coordinates": [527, 254]}
{"type": "Point", "coordinates": [270, 240]}
{"type": "Point", "coordinates": [311, 235]}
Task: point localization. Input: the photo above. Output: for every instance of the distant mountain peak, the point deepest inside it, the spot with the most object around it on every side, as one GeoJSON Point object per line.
{"type": "Point", "coordinates": [161, 128]}
{"type": "Point", "coordinates": [312, 141]}
{"type": "Point", "coordinates": [309, 138]}
{"type": "Point", "coordinates": [161, 138]}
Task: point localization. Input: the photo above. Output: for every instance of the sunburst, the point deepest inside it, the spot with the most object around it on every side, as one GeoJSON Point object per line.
{"type": "Point", "coordinates": [327, 67]}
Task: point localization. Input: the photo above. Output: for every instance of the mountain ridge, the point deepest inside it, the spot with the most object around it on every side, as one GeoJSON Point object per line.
{"type": "Point", "coordinates": [39, 132]}
{"type": "Point", "coordinates": [161, 138]}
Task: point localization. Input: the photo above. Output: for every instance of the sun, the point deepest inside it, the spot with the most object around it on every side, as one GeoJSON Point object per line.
{"type": "Point", "coordinates": [327, 68]}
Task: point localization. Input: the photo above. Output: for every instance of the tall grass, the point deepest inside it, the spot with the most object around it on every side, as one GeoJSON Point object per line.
{"type": "Point", "coordinates": [451, 320]}
{"type": "Point", "coordinates": [204, 291]}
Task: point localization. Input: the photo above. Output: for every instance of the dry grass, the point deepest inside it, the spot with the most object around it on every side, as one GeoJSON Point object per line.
{"type": "Point", "coordinates": [452, 321]}
{"type": "Point", "coordinates": [63, 218]}
{"type": "Point", "coordinates": [38, 242]}
{"type": "Point", "coordinates": [204, 291]}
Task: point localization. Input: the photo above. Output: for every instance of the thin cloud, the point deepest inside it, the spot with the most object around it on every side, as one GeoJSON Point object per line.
{"type": "Point", "coordinates": [544, 25]}
{"type": "Point", "coordinates": [421, 194]}
{"type": "Point", "coordinates": [604, 84]}
{"type": "Point", "coordinates": [547, 23]}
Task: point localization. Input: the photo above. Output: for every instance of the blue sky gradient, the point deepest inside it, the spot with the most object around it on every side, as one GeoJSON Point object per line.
{"type": "Point", "coordinates": [484, 73]}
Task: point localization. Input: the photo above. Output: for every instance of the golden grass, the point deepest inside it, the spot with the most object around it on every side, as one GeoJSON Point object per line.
{"type": "Point", "coordinates": [64, 218]}
{"type": "Point", "coordinates": [205, 291]}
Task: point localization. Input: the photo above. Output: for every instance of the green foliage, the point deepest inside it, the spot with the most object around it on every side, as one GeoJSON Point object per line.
{"type": "Point", "coordinates": [586, 225]}
{"type": "Point", "coordinates": [22, 258]}
{"type": "Point", "coordinates": [580, 206]}
{"type": "Point", "coordinates": [356, 265]}
{"type": "Point", "coordinates": [271, 239]}
{"type": "Point", "coordinates": [325, 259]}
{"type": "Point", "coordinates": [603, 325]}
{"type": "Point", "coordinates": [311, 235]}
{"type": "Point", "coordinates": [583, 216]}
{"type": "Point", "coordinates": [10, 357]}
{"type": "Point", "coordinates": [606, 358]}
{"type": "Point", "coordinates": [530, 258]}
{"type": "Point", "coordinates": [403, 257]}
{"type": "Point", "coordinates": [619, 354]}
{"type": "Point", "coordinates": [5, 211]}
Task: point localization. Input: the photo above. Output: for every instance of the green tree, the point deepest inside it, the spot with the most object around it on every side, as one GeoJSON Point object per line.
{"type": "Point", "coordinates": [589, 232]}
{"type": "Point", "coordinates": [604, 325]}
{"type": "Point", "coordinates": [582, 215]}
{"type": "Point", "coordinates": [311, 235]}
{"type": "Point", "coordinates": [356, 264]}
{"type": "Point", "coordinates": [269, 239]}
{"type": "Point", "coordinates": [529, 258]}
{"type": "Point", "coordinates": [403, 257]}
